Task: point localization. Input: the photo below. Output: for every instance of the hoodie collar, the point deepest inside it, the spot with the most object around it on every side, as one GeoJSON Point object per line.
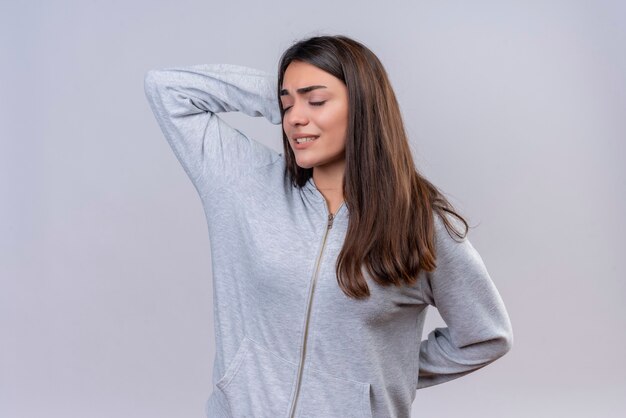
{"type": "Point", "coordinates": [312, 188]}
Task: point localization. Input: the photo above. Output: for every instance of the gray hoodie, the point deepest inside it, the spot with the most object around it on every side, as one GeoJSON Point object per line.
{"type": "Point", "coordinates": [289, 342]}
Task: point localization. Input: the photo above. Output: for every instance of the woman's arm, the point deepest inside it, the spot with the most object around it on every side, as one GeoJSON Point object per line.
{"type": "Point", "coordinates": [185, 101]}
{"type": "Point", "coordinates": [478, 327]}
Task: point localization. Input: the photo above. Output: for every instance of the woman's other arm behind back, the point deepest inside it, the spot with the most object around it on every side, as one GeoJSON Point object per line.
{"type": "Point", "coordinates": [478, 328]}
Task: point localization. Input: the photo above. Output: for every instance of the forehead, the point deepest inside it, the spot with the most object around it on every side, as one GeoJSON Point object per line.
{"type": "Point", "coordinates": [301, 74]}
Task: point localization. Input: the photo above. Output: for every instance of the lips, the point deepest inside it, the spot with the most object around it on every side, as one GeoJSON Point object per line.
{"type": "Point", "coordinates": [303, 145]}
{"type": "Point", "coordinates": [308, 139]}
{"type": "Point", "coordinates": [298, 136]}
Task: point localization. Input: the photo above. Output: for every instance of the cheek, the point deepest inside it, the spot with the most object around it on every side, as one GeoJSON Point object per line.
{"type": "Point", "coordinates": [341, 129]}
{"type": "Point", "coordinates": [334, 121]}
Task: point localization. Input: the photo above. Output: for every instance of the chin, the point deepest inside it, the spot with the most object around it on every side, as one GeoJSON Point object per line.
{"type": "Point", "coordinates": [306, 164]}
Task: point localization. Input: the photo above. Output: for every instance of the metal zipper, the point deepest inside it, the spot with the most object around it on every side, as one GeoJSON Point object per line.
{"type": "Point", "coordinates": [331, 217]}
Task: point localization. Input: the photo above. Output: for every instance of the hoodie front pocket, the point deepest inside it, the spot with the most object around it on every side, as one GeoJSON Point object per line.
{"type": "Point", "coordinates": [326, 396]}
{"type": "Point", "coordinates": [257, 382]}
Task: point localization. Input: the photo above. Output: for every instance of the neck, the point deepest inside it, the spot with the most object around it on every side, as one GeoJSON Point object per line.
{"type": "Point", "coordinates": [329, 180]}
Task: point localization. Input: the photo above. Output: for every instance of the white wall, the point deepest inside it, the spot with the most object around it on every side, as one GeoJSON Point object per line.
{"type": "Point", "coordinates": [515, 109]}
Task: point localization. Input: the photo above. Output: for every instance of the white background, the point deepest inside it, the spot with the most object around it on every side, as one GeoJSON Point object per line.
{"type": "Point", "coordinates": [516, 110]}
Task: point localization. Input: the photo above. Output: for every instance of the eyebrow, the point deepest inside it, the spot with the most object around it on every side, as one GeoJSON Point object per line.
{"type": "Point", "coordinates": [302, 90]}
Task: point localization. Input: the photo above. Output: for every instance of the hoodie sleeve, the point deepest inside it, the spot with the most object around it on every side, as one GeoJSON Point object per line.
{"type": "Point", "coordinates": [478, 328]}
{"type": "Point", "coordinates": [185, 102]}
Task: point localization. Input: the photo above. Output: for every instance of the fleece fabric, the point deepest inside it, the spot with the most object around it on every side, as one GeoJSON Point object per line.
{"type": "Point", "coordinates": [289, 342]}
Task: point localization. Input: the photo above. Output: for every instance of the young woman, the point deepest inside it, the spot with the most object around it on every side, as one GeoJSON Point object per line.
{"type": "Point", "coordinates": [326, 255]}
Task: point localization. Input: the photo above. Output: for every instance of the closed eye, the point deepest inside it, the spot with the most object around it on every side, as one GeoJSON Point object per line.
{"type": "Point", "coordinates": [311, 103]}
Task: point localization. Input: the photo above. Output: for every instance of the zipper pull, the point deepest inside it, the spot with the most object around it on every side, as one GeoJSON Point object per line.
{"type": "Point", "coordinates": [330, 220]}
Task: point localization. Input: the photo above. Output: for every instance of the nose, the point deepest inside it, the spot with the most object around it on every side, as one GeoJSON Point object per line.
{"type": "Point", "coordinates": [296, 115]}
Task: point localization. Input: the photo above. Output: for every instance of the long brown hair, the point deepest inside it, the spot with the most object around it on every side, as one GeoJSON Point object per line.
{"type": "Point", "coordinates": [391, 205]}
